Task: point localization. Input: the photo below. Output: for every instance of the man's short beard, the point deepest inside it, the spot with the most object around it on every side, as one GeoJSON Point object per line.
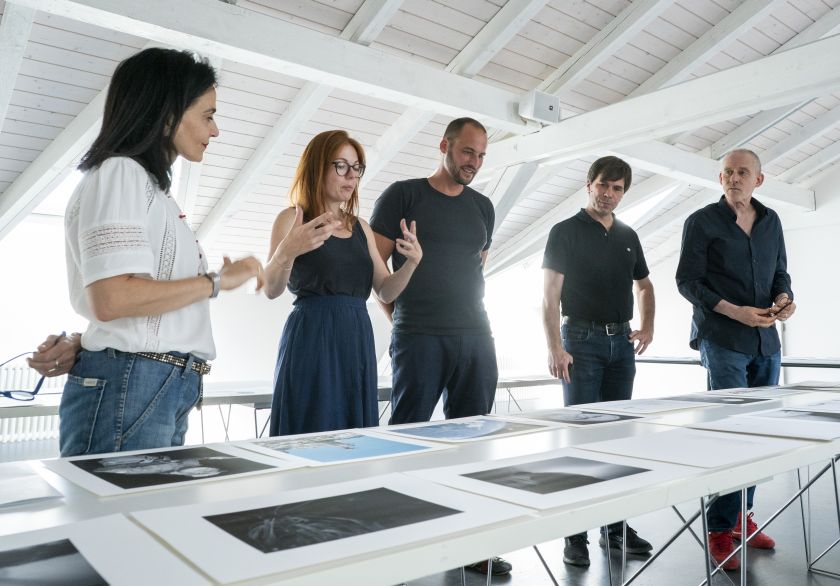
{"type": "Point", "coordinates": [452, 169]}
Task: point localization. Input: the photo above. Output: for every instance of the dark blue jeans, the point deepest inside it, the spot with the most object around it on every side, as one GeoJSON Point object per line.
{"type": "Point", "coordinates": [462, 368]}
{"type": "Point", "coordinates": [117, 401]}
{"type": "Point", "coordinates": [729, 369]}
{"type": "Point", "coordinates": [603, 366]}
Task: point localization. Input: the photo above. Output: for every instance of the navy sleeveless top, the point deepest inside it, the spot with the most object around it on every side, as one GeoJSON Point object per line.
{"type": "Point", "coordinates": [341, 266]}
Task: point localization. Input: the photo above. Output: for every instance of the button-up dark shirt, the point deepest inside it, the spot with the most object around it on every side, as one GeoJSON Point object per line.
{"type": "Point", "coordinates": [718, 260]}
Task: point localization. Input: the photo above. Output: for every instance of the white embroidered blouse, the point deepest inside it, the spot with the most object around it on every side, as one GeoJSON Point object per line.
{"type": "Point", "coordinates": [118, 222]}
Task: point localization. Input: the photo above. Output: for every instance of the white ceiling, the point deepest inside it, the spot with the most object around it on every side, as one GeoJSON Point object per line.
{"type": "Point", "coordinates": [668, 84]}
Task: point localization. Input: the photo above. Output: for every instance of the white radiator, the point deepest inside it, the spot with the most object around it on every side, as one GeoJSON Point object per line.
{"type": "Point", "coordinates": [17, 429]}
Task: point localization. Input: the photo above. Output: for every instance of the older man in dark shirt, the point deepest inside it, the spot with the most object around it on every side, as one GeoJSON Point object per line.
{"type": "Point", "coordinates": [733, 270]}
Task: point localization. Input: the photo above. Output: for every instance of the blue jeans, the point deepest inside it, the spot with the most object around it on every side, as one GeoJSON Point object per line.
{"type": "Point", "coordinates": [728, 369]}
{"type": "Point", "coordinates": [460, 367]}
{"type": "Point", "coordinates": [603, 366]}
{"type": "Point", "coordinates": [117, 401]}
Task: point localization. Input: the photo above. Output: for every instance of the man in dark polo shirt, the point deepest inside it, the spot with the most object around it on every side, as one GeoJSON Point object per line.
{"type": "Point", "coordinates": [441, 343]}
{"type": "Point", "coordinates": [733, 270]}
{"type": "Point", "coordinates": [592, 261]}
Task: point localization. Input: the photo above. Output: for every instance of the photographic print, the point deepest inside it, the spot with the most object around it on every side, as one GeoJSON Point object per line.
{"type": "Point", "coordinates": [22, 484]}
{"type": "Point", "coordinates": [559, 478]}
{"type": "Point", "coordinates": [758, 424]}
{"type": "Point", "coordinates": [801, 415]}
{"type": "Point", "coordinates": [467, 429]}
{"type": "Point", "coordinates": [326, 519]}
{"type": "Point", "coordinates": [641, 406]}
{"type": "Point", "coordinates": [288, 534]}
{"type": "Point", "coordinates": [105, 550]}
{"type": "Point", "coordinates": [152, 469]}
{"type": "Point", "coordinates": [832, 406]}
{"type": "Point", "coordinates": [56, 563]}
{"type": "Point", "coordinates": [547, 476]}
{"type": "Point", "coordinates": [579, 417]}
{"type": "Point", "coordinates": [718, 399]}
{"type": "Point", "coordinates": [335, 447]}
{"type": "Point", "coordinates": [694, 447]}
{"type": "Point", "coordinates": [765, 392]}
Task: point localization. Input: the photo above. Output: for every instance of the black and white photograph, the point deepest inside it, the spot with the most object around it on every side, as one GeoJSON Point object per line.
{"type": "Point", "coordinates": [811, 416]}
{"type": "Point", "coordinates": [579, 417]}
{"type": "Point", "coordinates": [718, 399]}
{"type": "Point", "coordinates": [56, 563]}
{"type": "Point", "coordinates": [106, 550]}
{"type": "Point", "coordinates": [559, 478]}
{"type": "Point", "coordinates": [155, 469]}
{"type": "Point", "coordinates": [315, 521]}
{"type": "Point", "coordinates": [287, 530]}
{"type": "Point", "coordinates": [555, 475]}
{"type": "Point", "coordinates": [467, 429]}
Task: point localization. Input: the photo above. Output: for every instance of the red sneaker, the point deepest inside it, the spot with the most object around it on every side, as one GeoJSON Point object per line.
{"type": "Point", "coordinates": [760, 541]}
{"type": "Point", "coordinates": [720, 546]}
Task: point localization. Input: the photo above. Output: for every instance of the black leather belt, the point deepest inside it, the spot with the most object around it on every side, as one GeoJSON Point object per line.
{"type": "Point", "coordinates": [611, 328]}
{"type": "Point", "coordinates": [199, 367]}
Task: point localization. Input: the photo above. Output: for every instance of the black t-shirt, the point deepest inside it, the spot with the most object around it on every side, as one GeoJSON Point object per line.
{"type": "Point", "coordinates": [341, 266]}
{"type": "Point", "coordinates": [598, 267]}
{"type": "Point", "coordinates": [446, 293]}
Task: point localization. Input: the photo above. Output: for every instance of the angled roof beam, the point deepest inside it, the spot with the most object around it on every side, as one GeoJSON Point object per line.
{"type": "Point", "coordinates": [479, 51]}
{"type": "Point", "coordinates": [363, 28]}
{"type": "Point", "coordinates": [712, 42]}
{"type": "Point", "coordinates": [801, 135]}
{"type": "Point", "coordinates": [512, 183]}
{"type": "Point", "coordinates": [533, 238]}
{"type": "Point", "coordinates": [14, 34]}
{"type": "Point", "coordinates": [812, 164]}
{"type": "Point", "coordinates": [626, 25]}
{"type": "Point", "coordinates": [237, 34]}
{"type": "Point", "coordinates": [797, 74]}
{"type": "Point", "coordinates": [678, 212]}
{"type": "Point", "coordinates": [671, 161]}
{"type": "Point", "coordinates": [824, 27]}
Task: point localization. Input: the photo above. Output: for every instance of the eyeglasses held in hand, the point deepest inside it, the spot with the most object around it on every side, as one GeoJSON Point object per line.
{"type": "Point", "coordinates": [22, 395]}
{"type": "Point", "coordinates": [343, 167]}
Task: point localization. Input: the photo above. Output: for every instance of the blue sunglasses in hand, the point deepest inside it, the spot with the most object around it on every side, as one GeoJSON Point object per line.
{"type": "Point", "coordinates": [22, 395]}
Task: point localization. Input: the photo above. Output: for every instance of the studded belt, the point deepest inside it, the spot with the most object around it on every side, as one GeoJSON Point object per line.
{"type": "Point", "coordinates": [199, 367]}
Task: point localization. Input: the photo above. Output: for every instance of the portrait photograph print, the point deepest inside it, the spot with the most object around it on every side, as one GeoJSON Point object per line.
{"type": "Point", "coordinates": [152, 469]}
{"type": "Point", "coordinates": [468, 429]}
{"type": "Point", "coordinates": [320, 526]}
{"type": "Point", "coordinates": [101, 551]}
{"type": "Point", "coordinates": [565, 477]}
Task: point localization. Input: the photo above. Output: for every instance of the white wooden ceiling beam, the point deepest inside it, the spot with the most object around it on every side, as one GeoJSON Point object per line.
{"type": "Point", "coordinates": [678, 212]}
{"type": "Point", "coordinates": [797, 74]}
{"type": "Point", "coordinates": [365, 26]}
{"type": "Point", "coordinates": [15, 27]}
{"type": "Point", "coordinates": [814, 129]}
{"type": "Point", "coordinates": [210, 27]}
{"type": "Point", "coordinates": [506, 192]}
{"type": "Point", "coordinates": [812, 164]}
{"type": "Point", "coordinates": [617, 33]}
{"type": "Point", "coordinates": [824, 27]}
{"type": "Point", "coordinates": [674, 194]}
{"type": "Point", "coordinates": [712, 42]}
{"type": "Point", "coordinates": [671, 161]}
{"type": "Point", "coordinates": [479, 51]}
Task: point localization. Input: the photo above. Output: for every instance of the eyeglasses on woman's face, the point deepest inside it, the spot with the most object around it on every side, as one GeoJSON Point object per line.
{"type": "Point", "coordinates": [343, 167]}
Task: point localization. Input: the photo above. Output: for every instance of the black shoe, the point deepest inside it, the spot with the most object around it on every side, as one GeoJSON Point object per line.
{"type": "Point", "coordinates": [501, 567]}
{"type": "Point", "coordinates": [635, 544]}
{"type": "Point", "coordinates": [576, 553]}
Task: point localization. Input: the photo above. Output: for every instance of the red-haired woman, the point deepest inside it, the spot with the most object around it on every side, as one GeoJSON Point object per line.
{"type": "Point", "coordinates": [325, 377]}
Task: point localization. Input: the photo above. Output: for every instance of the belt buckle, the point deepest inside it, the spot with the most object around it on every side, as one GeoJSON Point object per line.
{"type": "Point", "coordinates": [612, 328]}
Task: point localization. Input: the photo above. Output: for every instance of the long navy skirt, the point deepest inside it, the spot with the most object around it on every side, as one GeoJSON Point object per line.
{"type": "Point", "coordinates": [325, 378]}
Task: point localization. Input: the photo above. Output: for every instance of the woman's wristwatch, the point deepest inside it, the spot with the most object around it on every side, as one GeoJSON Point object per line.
{"type": "Point", "coordinates": [216, 279]}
